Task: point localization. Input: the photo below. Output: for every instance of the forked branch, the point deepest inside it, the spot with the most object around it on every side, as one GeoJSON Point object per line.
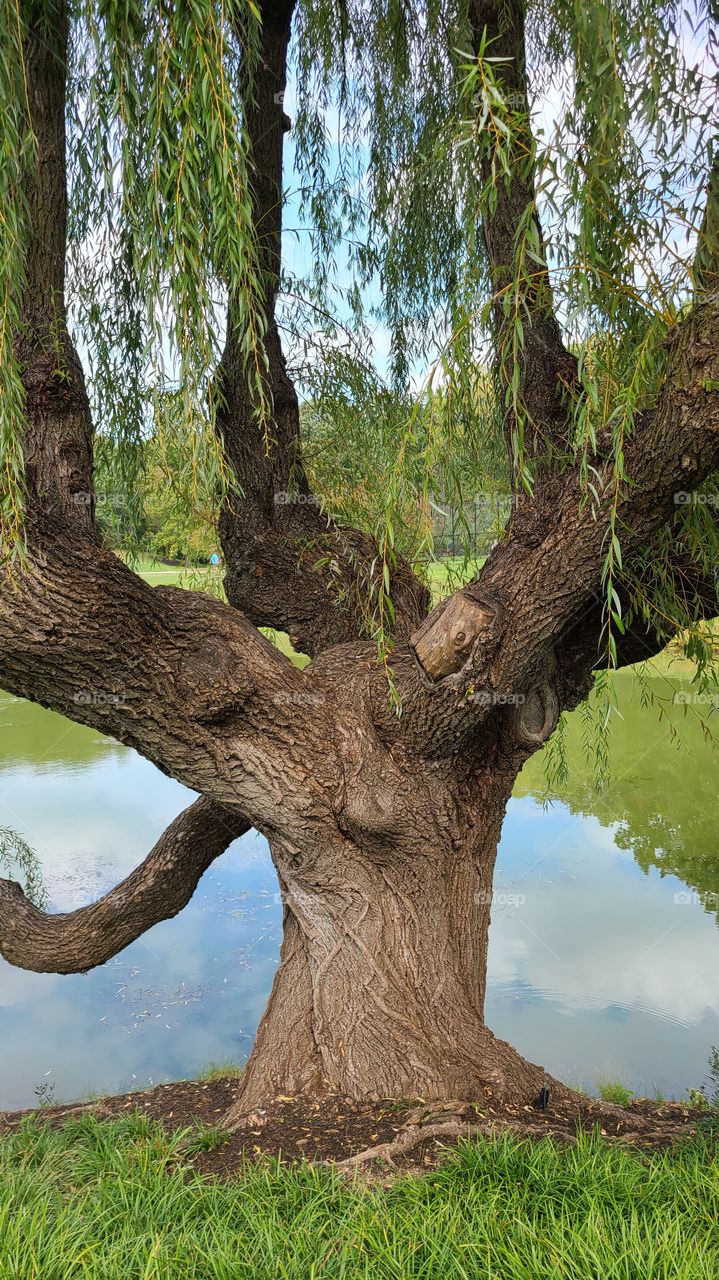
{"type": "Point", "coordinates": [546, 575]}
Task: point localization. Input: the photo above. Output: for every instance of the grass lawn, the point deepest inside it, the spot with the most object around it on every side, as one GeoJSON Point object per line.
{"type": "Point", "coordinates": [119, 1201]}
{"type": "Point", "coordinates": [443, 576]}
{"type": "Point", "coordinates": [159, 574]}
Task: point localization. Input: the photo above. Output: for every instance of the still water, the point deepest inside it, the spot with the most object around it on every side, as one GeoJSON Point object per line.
{"type": "Point", "coordinates": [604, 953]}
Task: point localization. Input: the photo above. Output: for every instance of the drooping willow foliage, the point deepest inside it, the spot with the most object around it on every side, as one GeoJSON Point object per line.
{"type": "Point", "coordinates": [159, 220]}
{"type": "Point", "coordinates": [623, 103]}
{"type": "Point", "coordinates": [394, 119]}
{"type": "Point", "coordinates": [624, 124]}
{"type": "Point", "coordinates": [16, 855]}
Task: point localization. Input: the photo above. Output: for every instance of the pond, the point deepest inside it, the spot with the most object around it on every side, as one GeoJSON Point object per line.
{"type": "Point", "coordinates": [604, 947]}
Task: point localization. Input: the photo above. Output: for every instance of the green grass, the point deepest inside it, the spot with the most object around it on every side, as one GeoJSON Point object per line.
{"type": "Point", "coordinates": [221, 1071]}
{"type": "Point", "coordinates": [613, 1091]}
{"type": "Point", "coordinates": [118, 1201]}
{"type": "Point", "coordinates": [205, 1137]}
{"type": "Point", "coordinates": [198, 577]}
{"type": "Point", "coordinates": [445, 576]}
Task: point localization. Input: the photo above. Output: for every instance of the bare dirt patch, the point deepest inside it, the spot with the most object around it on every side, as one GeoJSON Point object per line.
{"type": "Point", "coordinates": [406, 1135]}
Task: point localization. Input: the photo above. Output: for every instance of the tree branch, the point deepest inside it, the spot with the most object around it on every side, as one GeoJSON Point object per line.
{"type": "Point", "coordinates": [643, 638]}
{"type": "Point", "coordinates": [288, 565]}
{"type": "Point", "coordinates": [171, 673]}
{"type": "Point", "coordinates": [706, 261]}
{"type": "Point", "coordinates": [58, 440]}
{"type": "Point", "coordinates": [542, 581]}
{"type": "Point", "coordinates": [547, 367]}
{"type": "Point", "coordinates": [76, 941]}
{"type": "Point", "coordinates": [181, 677]}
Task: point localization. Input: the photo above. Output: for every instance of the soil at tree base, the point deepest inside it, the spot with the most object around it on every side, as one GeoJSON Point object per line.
{"type": "Point", "coordinates": [334, 1128]}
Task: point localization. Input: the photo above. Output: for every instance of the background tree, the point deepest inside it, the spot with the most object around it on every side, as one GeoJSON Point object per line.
{"type": "Point", "coordinates": [454, 491]}
{"type": "Point", "coordinates": [141, 178]}
{"type": "Point", "coordinates": [169, 509]}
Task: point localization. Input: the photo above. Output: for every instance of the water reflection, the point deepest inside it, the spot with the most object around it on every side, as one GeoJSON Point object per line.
{"type": "Point", "coordinates": [662, 803]}
{"type": "Point", "coordinates": [603, 949]}
{"type": "Point", "coordinates": [607, 962]}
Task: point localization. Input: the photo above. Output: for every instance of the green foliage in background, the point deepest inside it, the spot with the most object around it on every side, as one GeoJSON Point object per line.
{"type": "Point", "coordinates": [171, 511]}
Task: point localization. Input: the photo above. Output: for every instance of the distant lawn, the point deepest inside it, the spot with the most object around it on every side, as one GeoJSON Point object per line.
{"type": "Point", "coordinates": [192, 577]}
{"type": "Point", "coordinates": [119, 1200]}
{"type": "Point", "coordinates": [444, 576]}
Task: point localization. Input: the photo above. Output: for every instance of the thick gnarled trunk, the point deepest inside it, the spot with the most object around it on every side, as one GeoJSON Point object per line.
{"type": "Point", "coordinates": [381, 985]}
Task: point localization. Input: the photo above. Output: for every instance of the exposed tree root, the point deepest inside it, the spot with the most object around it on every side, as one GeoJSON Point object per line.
{"type": "Point", "coordinates": [412, 1136]}
{"type": "Point", "coordinates": [421, 1127]}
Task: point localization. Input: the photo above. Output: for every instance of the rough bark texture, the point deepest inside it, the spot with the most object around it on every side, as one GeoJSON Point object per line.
{"type": "Point", "coordinates": [58, 443]}
{"type": "Point", "coordinates": [383, 829]}
{"type": "Point", "coordinates": [547, 368]}
{"type": "Point", "coordinates": [380, 992]}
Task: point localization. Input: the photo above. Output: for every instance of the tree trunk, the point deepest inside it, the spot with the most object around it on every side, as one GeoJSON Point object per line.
{"type": "Point", "coordinates": [381, 985]}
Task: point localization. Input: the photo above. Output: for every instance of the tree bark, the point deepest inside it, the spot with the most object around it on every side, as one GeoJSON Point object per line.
{"type": "Point", "coordinates": [547, 368]}
{"type": "Point", "coordinates": [289, 566]}
{"type": "Point", "coordinates": [58, 440]}
{"type": "Point", "coordinates": [381, 985]}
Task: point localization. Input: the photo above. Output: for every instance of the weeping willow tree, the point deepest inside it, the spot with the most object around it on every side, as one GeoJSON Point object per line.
{"type": "Point", "coordinates": [529, 197]}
